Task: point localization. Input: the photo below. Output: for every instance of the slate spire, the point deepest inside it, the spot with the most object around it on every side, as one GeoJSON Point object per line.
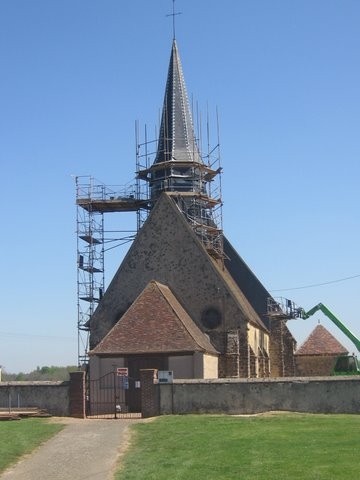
{"type": "Point", "coordinates": [177, 161]}
{"type": "Point", "coordinates": [176, 140]}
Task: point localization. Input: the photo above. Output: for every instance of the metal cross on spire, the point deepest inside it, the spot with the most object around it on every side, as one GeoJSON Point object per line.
{"type": "Point", "coordinates": [173, 14]}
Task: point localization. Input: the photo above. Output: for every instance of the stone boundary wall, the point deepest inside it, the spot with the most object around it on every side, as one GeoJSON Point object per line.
{"type": "Point", "coordinates": [218, 396]}
{"type": "Point", "coordinates": [50, 396]}
{"type": "Point", "coordinates": [61, 399]}
{"type": "Point", "coordinates": [240, 396]}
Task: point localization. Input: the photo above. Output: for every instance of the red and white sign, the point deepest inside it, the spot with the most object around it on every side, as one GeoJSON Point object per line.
{"type": "Point", "coordinates": [122, 372]}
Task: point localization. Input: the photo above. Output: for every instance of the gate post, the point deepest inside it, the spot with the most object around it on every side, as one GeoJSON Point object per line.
{"type": "Point", "coordinates": [77, 395]}
{"type": "Point", "coordinates": [150, 404]}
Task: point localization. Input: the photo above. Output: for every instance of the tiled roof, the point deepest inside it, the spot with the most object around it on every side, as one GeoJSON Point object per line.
{"type": "Point", "coordinates": [154, 323]}
{"type": "Point", "coordinates": [321, 342]}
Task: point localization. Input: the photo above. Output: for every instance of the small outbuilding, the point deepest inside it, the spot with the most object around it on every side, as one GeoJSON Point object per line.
{"type": "Point", "coordinates": [317, 355]}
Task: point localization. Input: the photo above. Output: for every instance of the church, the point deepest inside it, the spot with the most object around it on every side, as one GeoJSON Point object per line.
{"type": "Point", "coordinates": [183, 299]}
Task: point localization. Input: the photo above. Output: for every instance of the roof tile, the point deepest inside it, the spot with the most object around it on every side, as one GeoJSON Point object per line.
{"type": "Point", "coordinates": [321, 342]}
{"type": "Point", "coordinates": [154, 323]}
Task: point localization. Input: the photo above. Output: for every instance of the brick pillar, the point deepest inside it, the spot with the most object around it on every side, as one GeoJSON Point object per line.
{"type": "Point", "coordinates": [150, 404]}
{"type": "Point", "coordinates": [77, 400]}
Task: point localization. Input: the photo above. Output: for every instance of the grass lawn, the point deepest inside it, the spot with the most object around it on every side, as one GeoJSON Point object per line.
{"type": "Point", "coordinates": [266, 447]}
{"type": "Point", "coordinates": [19, 437]}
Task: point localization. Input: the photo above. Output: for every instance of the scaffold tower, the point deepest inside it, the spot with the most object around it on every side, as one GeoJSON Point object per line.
{"type": "Point", "coordinates": [93, 200]}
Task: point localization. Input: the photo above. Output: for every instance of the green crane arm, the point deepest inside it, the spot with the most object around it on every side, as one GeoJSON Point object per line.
{"type": "Point", "coordinates": [334, 319]}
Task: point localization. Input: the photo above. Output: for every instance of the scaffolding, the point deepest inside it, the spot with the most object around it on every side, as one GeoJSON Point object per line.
{"type": "Point", "coordinates": [195, 186]}
{"type": "Point", "coordinates": [201, 206]}
{"type": "Point", "coordinates": [281, 308]}
{"type": "Point", "coordinates": [93, 200]}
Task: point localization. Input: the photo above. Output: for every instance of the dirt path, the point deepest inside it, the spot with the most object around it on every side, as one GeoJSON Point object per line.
{"type": "Point", "coordinates": [84, 449]}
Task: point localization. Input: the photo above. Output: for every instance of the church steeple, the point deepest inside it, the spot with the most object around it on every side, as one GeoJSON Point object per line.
{"type": "Point", "coordinates": [178, 168]}
{"type": "Point", "coordinates": [177, 161]}
{"type": "Point", "coordinates": [177, 140]}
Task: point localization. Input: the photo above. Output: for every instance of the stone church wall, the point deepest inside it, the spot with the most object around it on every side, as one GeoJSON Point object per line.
{"type": "Point", "coordinates": [210, 366]}
{"type": "Point", "coordinates": [167, 250]}
{"type": "Point", "coordinates": [282, 348]}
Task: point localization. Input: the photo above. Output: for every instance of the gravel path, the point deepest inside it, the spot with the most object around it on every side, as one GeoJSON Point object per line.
{"type": "Point", "coordinates": [84, 449]}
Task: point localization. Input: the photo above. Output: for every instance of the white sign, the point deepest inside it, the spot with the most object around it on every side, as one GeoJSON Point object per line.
{"type": "Point", "coordinates": [165, 376]}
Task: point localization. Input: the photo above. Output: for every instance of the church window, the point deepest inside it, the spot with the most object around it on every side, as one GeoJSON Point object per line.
{"type": "Point", "coordinates": [211, 318]}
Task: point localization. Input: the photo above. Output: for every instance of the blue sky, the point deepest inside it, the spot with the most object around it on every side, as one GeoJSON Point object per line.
{"type": "Point", "coordinates": [76, 74]}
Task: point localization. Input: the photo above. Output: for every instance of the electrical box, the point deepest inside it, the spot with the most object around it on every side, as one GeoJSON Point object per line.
{"type": "Point", "coordinates": [165, 376]}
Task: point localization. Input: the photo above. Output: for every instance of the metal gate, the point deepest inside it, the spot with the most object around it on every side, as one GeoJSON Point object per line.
{"type": "Point", "coordinates": [109, 397]}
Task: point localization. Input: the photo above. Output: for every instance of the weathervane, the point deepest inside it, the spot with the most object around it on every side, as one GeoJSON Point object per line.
{"type": "Point", "coordinates": [173, 14]}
